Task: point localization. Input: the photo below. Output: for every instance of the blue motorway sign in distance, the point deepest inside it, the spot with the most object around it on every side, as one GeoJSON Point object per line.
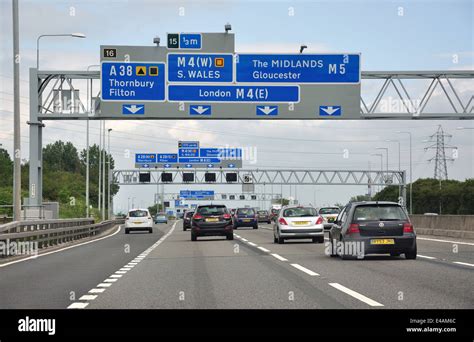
{"type": "Point", "coordinates": [234, 153]}
{"type": "Point", "coordinates": [199, 160]}
{"type": "Point", "coordinates": [188, 152]}
{"type": "Point", "coordinates": [200, 67]}
{"type": "Point", "coordinates": [190, 41]}
{"type": "Point", "coordinates": [298, 68]}
{"type": "Point", "coordinates": [133, 81]}
{"type": "Point", "coordinates": [145, 158]}
{"type": "Point", "coordinates": [233, 93]}
{"type": "Point", "coordinates": [167, 158]}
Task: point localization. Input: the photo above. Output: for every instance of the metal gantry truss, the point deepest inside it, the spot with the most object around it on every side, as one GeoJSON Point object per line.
{"type": "Point", "coordinates": [267, 177]}
{"type": "Point", "coordinates": [61, 94]}
{"type": "Point", "coordinates": [226, 196]}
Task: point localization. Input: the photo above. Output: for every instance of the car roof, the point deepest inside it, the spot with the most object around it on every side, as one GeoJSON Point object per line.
{"type": "Point", "coordinates": [329, 208]}
{"type": "Point", "coordinates": [135, 209]}
{"type": "Point", "coordinates": [375, 203]}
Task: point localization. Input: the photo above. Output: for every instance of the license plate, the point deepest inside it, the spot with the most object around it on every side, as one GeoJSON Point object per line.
{"type": "Point", "coordinates": [246, 220]}
{"type": "Point", "coordinates": [382, 242]}
{"type": "Point", "coordinates": [138, 222]}
{"type": "Point", "coordinates": [300, 223]}
{"type": "Point", "coordinates": [212, 219]}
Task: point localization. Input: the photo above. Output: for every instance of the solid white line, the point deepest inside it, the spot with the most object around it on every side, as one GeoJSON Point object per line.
{"type": "Point", "coordinates": [463, 263]}
{"type": "Point", "coordinates": [426, 257]}
{"type": "Point", "coordinates": [449, 241]}
{"type": "Point", "coordinates": [278, 257]}
{"type": "Point", "coordinates": [244, 240]}
{"type": "Point", "coordinates": [305, 270]}
{"type": "Point", "coordinates": [263, 249]}
{"type": "Point", "coordinates": [104, 285]}
{"type": "Point", "coordinates": [77, 305]}
{"type": "Point", "coordinates": [88, 297]}
{"type": "Point", "coordinates": [252, 244]}
{"type": "Point", "coordinates": [60, 250]}
{"type": "Point", "coordinates": [96, 290]}
{"type": "Point", "coordinates": [356, 295]}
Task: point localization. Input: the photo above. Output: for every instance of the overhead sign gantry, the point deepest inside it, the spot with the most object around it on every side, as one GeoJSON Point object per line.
{"type": "Point", "coordinates": [201, 76]}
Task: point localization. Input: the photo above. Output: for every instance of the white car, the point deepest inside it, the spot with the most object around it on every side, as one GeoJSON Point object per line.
{"type": "Point", "coordinates": [138, 219]}
{"type": "Point", "coordinates": [298, 222]}
{"type": "Point", "coordinates": [329, 215]}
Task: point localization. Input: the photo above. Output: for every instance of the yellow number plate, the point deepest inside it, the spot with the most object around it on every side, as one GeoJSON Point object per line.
{"type": "Point", "coordinates": [382, 242]}
{"type": "Point", "coordinates": [212, 219]}
{"type": "Point", "coordinates": [138, 222]}
{"type": "Point", "coordinates": [300, 223]}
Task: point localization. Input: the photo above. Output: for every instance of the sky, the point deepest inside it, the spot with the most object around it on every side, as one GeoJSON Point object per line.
{"type": "Point", "coordinates": [390, 35]}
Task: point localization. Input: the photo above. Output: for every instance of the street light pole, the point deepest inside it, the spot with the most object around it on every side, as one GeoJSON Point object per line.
{"type": "Point", "coordinates": [411, 172]}
{"type": "Point", "coordinates": [104, 154]}
{"type": "Point", "coordinates": [16, 116]}
{"type": "Point", "coordinates": [74, 35]}
{"type": "Point", "coordinates": [399, 164]}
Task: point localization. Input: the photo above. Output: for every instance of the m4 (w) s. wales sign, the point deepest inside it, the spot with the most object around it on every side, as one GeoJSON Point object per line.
{"type": "Point", "coordinates": [137, 81]}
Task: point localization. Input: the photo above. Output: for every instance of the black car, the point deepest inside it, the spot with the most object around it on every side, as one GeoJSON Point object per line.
{"type": "Point", "coordinates": [187, 219]}
{"type": "Point", "coordinates": [372, 228]}
{"type": "Point", "coordinates": [263, 216]}
{"type": "Point", "coordinates": [212, 220]}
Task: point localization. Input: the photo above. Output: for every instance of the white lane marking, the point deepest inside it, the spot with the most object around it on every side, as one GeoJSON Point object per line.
{"type": "Point", "coordinates": [113, 280]}
{"type": "Point", "coordinates": [244, 240]}
{"type": "Point", "coordinates": [426, 257]}
{"type": "Point", "coordinates": [133, 263]}
{"type": "Point", "coordinates": [449, 241]}
{"type": "Point", "coordinates": [104, 285]}
{"type": "Point", "coordinates": [463, 263]}
{"type": "Point", "coordinates": [125, 269]}
{"type": "Point", "coordinates": [279, 257]}
{"type": "Point", "coordinates": [305, 270]}
{"type": "Point", "coordinates": [121, 272]}
{"type": "Point", "coordinates": [96, 290]}
{"type": "Point", "coordinates": [252, 244]}
{"type": "Point", "coordinates": [88, 297]}
{"type": "Point", "coordinates": [77, 305]}
{"type": "Point", "coordinates": [356, 295]}
{"type": "Point", "coordinates": [60, 250]}
{"type": "Point", "coordinates": [114, 277]}
{"type": "Point", "coordinates": [264, 249]}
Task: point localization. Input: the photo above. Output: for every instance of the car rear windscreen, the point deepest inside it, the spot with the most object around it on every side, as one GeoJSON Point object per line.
{"type": "Point", "coordinates": [379, 213]}
{"type": "Point", "coordinates": [138, 213]}
{"type": "Point", "coordinates": [246, 211]}
{"type": "Point", "coordinates": [262, 212]}
{"type": "Point", "coordinates": [212, 210]}
{"type": "Point", "coordinates": [328, 211]}
{"type": "Point", "coordinates": [300, 212]}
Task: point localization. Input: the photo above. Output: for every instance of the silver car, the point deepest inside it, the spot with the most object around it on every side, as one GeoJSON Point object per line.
{"type": "Point", "coordinates": [298, 222]}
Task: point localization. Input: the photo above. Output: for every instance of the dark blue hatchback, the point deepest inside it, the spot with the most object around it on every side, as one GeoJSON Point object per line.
{"type": "Point", "coordinates": [245, 217]}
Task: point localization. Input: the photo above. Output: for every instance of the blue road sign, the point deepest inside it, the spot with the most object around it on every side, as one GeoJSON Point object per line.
{"type": "Point", "coordinates": [188, 144]}
{"type": "Point", "coordinates": [133, 109]}
{"type": "Point", "coordinates": [188, 153]}
{"type": "Point", "coordinates": [300, 68]}
{"type": "Point", "coordinates": [330, 111]}
{"type": "Point", "coordinates": [200, 110]}
{"type": "Point", "coordinates": [233, 93]}
{"type": "Point", "coordinates": [188, 166]}
{"type": "Point", "coordinates": [200, 67]}
{"type": "Point", "coordinates": [196, 193]}
{"type": "Point", "coordinates": [222, 153]}
{"type": "Point", "coordinates": [167, 158]}
{"type": "Point", "coordinates": [146, 166]}
{"type": "Point", "coordinates": [167, 166]}
{"type": "Point", "coordinates": [231, 165]}
{"type": "Point", "coordinates": [145, 158]}
{"type": "Point", "coordinates": [133, 81]}
{"type": "Point", "coordinates": [199, 160]}
{"type": "Point", "coordinates": [267, 110]}
{"type": "Point", "coordinates": [190, 41]}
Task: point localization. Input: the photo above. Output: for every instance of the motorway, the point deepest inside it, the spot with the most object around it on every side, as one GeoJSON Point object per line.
{"type": "Point", "coordinates": [165, 270]}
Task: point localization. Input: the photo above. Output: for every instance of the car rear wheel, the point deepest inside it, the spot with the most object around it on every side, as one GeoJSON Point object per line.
{"type": "Point", "coordinates": [275, 240]}
{"type": "Point", "coordinates": [127, 231]}
{"type": "Point", "coordinates": [411, 255]}
{"type": "Point", "coordinates": [255, 227]}
{"type": "Point", "coordinates": [193, 237]}
{"type": "Point", "coordinates": [268, 222]}
{"type": "Point", "coordinates": [281, 240]}
{"type": "Point", "coordinates": [184, 228]}
{"type": "Point", "coordinates": [230, 236]}
{"type": "Point", "coordinates": [150, 230]}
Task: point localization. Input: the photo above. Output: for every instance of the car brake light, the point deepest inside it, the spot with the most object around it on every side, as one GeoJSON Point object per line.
{"type": "Point", "coordinates": [227, 216]}
{"type": "Point", "coordinates": [282, 221]}
{"type": "Point", "coordinates": [353, 228]}
{"type": "Point", "coordinates": [407, 228]}
{"type": "Point", "coordinates": [197, 217]}
{"type": "Point", "coordinates": [319, 220]}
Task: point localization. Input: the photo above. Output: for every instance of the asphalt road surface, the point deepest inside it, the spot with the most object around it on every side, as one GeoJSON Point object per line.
{"type": "Point", "coordinates": [166, 270]}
